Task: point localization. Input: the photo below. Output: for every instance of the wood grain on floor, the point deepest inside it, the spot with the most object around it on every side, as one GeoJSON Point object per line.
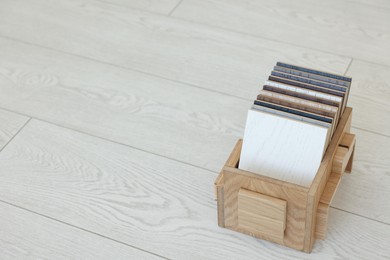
{"type": "Point", "coordinates": [366, 191]}
{"type": "Point", "coordinates": [134, 113]}
{"type": "Point", "coordinates": [160, 116]}
{"type": "Point", "coordinates": [10, 124]}
{"type": "Point", "coordinates": [347, 28]}
{"type": "Point", "coordinates": [370, 96]}
{"type": "Point", "coordinates": [208, 58]}
{"type": "Point", "coordinates": [26, 235]}
{"type": "Point", "coordinates": [156, 6]}
{"type": "Point", "coordinates": [349, 230]}
{"type": "Point", "coordinates": [150, 202]}
{"type": "Point", "coordinates": [378, 3]}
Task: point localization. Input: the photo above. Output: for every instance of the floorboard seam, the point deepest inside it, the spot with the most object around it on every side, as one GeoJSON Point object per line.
{"type": "Point", "coordinates": [349, 65]}
{"type": "Point", "coordinates": [30, 118]}
{"type": "Point", "coordinates": [131, 7]}
{"type": "Point", "coordinates": [372, 62]}
{"type": "Point", "coordinates": [151, 74]}
{"type": "Point", "coordinates": [232, 30]}
{"type": "Point", "coordinates": [135, 247]}
{"type": "Point", "coordinates": [366, 4]}
{"type": "Point", "coordinates": [19, 130]}
{"type": "Point", "coordinates": [108, 140]}
{"type": "Point", "coordinates": [370, 131]}
{"type": "Point", "coordinates": [155, 75]}
{"type": "Point", "coordinates": [372, 219]}
{"type": "Point", "coordinates": [262, 37]}
{"type": "Point", "coordinates": [80, 228]}
{"type": "Point", "coordinates": [174, 9]}
{"type": "Point", "coordinates": [229, 30]}
{"type": "Point", "coordinates": [205, 25]}
{"type": "Point", "coordinates": [248, 34]}
{"type": "Point", "coordinates": [123, 67]}
{"type": "Point", "coordinates": [134, 147]}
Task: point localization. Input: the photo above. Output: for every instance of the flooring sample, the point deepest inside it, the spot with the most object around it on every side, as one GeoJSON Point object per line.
{"type": "Point", "coordinates": [293, 111]}
{"type": "Point", "coordinates": [156, 6]}
{"type": "Point", "coordinates": [312, 95]}
{"type": "Point", "coordinates": [299, 103]}
{"type": "Point", "coordinates": [25, 235]}
{"type": "Point", "coordinates": [10, 124]}
{"type": "Point", "coordinates": [352, 29]}
{"type": "Point", "coordinates": [312, 76]}
{"type": "Point", "coordinates": [313, 71]}
{"type": "Point", "coordinates": [324, 111]}
{"type": "Point", "coordinates": [290, 115]}
{"type": "Point", "coordinates": [210, 58]}
{"type": "Point", "coordinates": [269, 149]}
{"type": "Point", "coordinates": [306, 86]}
{"type": "Point", "coordinates": [148, 201]}
{"type": "Point", "coordinates": [299, 115]}
{"type": "Point", "coordinates": [286, 133]}
{"type": "Point", "coordinates": [304, 91]}
{"type": "Point", "coordinates": [300, 85]}
{"type": "Point", "coordinates": [309, 81]}
{"type": "Point", "coordinates": [276, 88]}
{"type": "Point", "coordinates": [286, 136]}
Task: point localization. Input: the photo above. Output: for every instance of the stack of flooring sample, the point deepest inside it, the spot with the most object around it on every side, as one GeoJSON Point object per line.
{"type": "Point", "coordinates": [292, 122]}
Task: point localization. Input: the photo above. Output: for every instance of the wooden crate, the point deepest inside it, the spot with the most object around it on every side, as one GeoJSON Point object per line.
{"type": "Point", "coordinates": [279, 211]}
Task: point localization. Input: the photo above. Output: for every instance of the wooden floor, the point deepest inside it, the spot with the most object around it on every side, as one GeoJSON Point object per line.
{"type": "Point", "coordinates": [116, 117]}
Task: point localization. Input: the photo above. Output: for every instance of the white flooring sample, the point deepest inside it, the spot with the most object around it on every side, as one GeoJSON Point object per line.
{"type": "Point", "coordinates": [282, 148]}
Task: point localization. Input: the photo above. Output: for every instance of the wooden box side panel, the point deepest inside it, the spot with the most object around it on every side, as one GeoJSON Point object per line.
{"type": "Point", "coordinates": [322, 220]}
{"type": "Point", "coordinates": [319, 182]}
{"type": "Point", "coordinates": [262, 214]}
{"type": "Point", "coordinates": [296, 199]}
{"type": "Point", "coordinates": [218, 185]}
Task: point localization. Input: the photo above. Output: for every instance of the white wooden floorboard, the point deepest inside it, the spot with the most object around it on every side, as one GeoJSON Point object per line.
{"type": "Point", "coordinates": [166, 118]}
{"type": "Point", "coordinates": [352, 237]}
{"type": "Point", "coordinates": [370, 96]}
{"type": "Point", "coordinates": [378, 3]}
{"type": "Point", "coordinates": [10, 124]}
{"type": "Point", "coordinates": [156, 6]}
{"type": "Point", "coordinates": [149, 201]}
{"type": "Point", "coordinates": [366, 190]}
{"type": "Point", "coordinates": [26, 235]}
{"type": "Point", "coordinates": [209, 58]}
{"type": "Point", "coordinates": [344, 27]}
{"type": "Point", "coordinates": [154, 203]}
{"type": "Point", "coordinates": [160, 116]}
